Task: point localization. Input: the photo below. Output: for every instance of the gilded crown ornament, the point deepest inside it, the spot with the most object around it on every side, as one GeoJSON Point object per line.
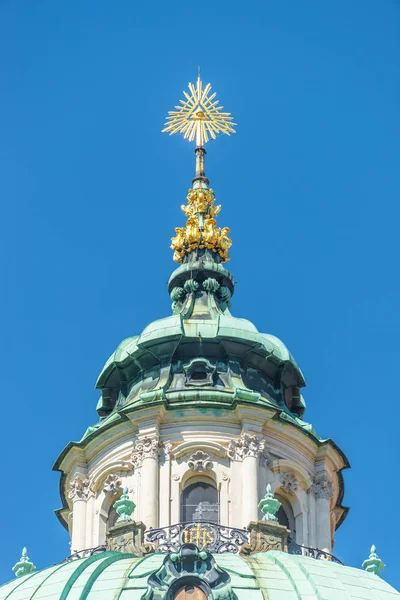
{"type": "Point", "coordinates": [200, 118]}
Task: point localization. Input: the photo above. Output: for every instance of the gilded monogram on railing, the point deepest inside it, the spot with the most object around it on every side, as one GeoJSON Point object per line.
{"type": "Point", "coordinates": [204, 534]}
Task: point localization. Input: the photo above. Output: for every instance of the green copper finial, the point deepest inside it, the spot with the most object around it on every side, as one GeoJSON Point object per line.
{"type": "Point", "coordinates": [373, 564]}
{"type": "Point", "coordinates": [269, 505]}
{"type": "Point", "coordinates": [124, 507]}
{"type": "Point", "coordinates": [24, 566]}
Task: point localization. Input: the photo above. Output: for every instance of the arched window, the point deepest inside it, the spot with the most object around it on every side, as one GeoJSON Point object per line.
{"type": "Point", "coordinates": [282, 517]}
{"type": "Point", "coordinates": [189, 592]}
{"type": "Point", "coordinates": [199, 502]}
{"type": "Point", "coordinates": [285, 515]}
{"type": "Point", "coordinates": [111, 519]}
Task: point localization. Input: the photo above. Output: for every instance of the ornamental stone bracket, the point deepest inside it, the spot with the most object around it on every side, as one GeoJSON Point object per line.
{"type": "Point", "coordinates": [322, 487]}
{"type": "Point", "coordinates": [200, 461]}
{"type": "Point", "coordinates": [246, 445]}
{"type": "Point", "coordinates": [112, 484]}
{"type": "Point", "coordinates": [80, 488]}
{"type": "Point", "coordinates": [289, 483]}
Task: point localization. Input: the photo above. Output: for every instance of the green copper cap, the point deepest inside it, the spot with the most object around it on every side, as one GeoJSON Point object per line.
{"type": "Point", "coordinates": [24, 566]}
{"type": "Point", "coordinates": [373, 564]}
{"type": "Point", "coordinates": [124, 507]}
{"type": "Point", "coordinates": [269, 505]}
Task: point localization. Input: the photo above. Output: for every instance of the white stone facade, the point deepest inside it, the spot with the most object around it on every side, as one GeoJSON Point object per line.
{"type": "Point", "coordinates": [156, 454]}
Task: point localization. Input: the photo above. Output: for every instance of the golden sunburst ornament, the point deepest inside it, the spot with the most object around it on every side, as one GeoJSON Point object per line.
{"type": "Point", "coordinates": [199, 116]}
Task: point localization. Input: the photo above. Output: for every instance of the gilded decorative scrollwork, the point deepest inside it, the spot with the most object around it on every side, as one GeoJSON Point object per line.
{"type": "Point", "coordinates": [201, 229]}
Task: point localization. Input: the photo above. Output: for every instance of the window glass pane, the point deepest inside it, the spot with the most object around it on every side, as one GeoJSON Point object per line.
{"type": "Point", "coordinates": [200, 503]}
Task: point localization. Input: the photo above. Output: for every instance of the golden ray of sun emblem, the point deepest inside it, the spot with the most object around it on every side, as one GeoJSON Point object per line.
{"type": "Point", "coordinates": [199, 116]}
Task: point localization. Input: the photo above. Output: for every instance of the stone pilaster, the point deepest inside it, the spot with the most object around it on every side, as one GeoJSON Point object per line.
{"type": "Point", "coordinates": [248, 448]}
{"type": "Point", "coordinates": [145, 456]}
{"type": "Point", "coordinates": [79, 492]}
{"type": "Point", "coordinates": [322, 489]}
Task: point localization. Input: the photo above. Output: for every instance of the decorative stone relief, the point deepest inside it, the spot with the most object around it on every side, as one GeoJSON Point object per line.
{"type": "Point", "coordinates": [225, 476]}
{"type": "Point", "coordinates": [266, 458]}
{"type": "Point", "coordinates": [246, 445]}
{"type": "Point", "coordinates": [289, 482]}
{"type": "Point", "coordinates": [200, 461]}
{"type": "Point", "coordinates": [322, 487]}
{"type": "Point", "coordinates": [79, 488]}
{"type": "Point", "coordinates": [265, 536]}
{"type": "Point", "coordinates": [112, 484]}
{"type": "Point", "coordinates": [146, 447]}
{"type": "Point", "coordinates": [166, 450]}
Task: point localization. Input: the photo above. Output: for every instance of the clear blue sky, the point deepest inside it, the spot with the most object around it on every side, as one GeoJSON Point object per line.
{"type": "Point", "coordinates": [91, 191]}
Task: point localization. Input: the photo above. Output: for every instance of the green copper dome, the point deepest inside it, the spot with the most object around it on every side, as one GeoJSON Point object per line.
{"type": "Point", "coordinates": [202, 348]}
{"type": "Point", "coordinates": [266, 576]}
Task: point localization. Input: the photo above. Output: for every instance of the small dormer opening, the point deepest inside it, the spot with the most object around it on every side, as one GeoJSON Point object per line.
{"type": "Point", "coordinates": [199, 375]}
{"type": "Point", "coordinates": [199, 371]}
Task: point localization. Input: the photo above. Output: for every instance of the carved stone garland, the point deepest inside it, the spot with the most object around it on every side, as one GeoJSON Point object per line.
{"type": "Point", "coordinates": [200, 461]}
{"type": "Point", "coordinates": [246, 445]}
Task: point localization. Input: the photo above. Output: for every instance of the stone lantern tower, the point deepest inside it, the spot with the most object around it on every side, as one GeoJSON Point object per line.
{"type": "Point", "coordinates": [201, 411]}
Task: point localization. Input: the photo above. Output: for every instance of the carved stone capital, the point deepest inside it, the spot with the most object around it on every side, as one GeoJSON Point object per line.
{"type": "Point", "coordinates": [200, 461]}
{"type": "Point", "coordinates": [264, 536]}
{"type": "Point", "coordinates": [289, 483]}
{"type": "Point", "coordinates": [128, 536]}
{"type": "Point", "coordinates": [112, 484]}
{"type": "Point", "coordinates": [146, 447]}
{"type": "Point", "coordinates": [322, 487]}
{"type": "Point", "coordinates": [80, 488]}
{"type": "Point", "coordinates": [246, 445]}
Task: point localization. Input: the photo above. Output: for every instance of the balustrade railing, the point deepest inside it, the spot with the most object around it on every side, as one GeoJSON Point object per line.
{"type": "Point", "coordinates": [216, 538]}
{"type": "Point", "coordinates": [294, 548]}
{"type": "Point", "coordinates": [85, 553]}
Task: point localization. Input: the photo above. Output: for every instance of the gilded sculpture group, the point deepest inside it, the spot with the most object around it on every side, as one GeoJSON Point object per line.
{"type": "Point", "coordinates": [201, 231]}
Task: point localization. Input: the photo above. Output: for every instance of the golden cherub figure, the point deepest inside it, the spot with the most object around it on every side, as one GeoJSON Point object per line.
{"type": "Point", "coordinates": [192, 232]}
{"type": "Point", "coordinates": [224, 244]}
{"type": "Point", "coordinates": [209, 237]}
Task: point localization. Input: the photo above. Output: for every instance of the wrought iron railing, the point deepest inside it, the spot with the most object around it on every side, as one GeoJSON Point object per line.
{"type": "Point", "coordinates": [85, 553]}
{"type": "Point", "coordinates": [216, 538]}
{"type": "Point", "coordinates": [294, 548]}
